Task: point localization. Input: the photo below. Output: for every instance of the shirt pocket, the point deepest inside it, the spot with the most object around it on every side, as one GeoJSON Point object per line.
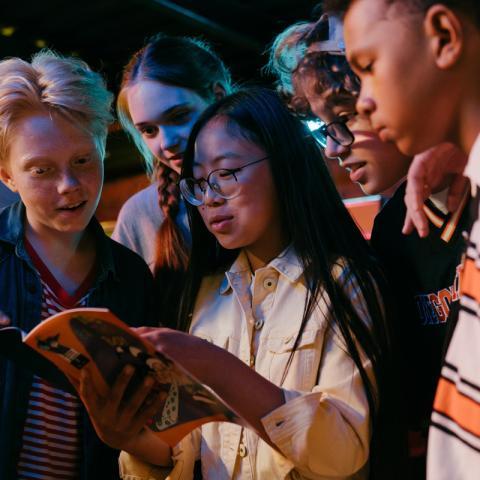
{"type": "Point", "coordinates": [303, 368]}
{"type": "Point", "coordinates": [222, 341]}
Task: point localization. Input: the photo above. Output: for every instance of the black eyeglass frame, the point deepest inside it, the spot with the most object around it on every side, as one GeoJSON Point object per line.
{"type": "Point", "coordinates": [326, 128]}
{"type": "Point", "coordinates": [202, 181]}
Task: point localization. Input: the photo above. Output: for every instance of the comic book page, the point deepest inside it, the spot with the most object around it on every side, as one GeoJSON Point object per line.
{"type": "Point", "coordinates": [96, 339]}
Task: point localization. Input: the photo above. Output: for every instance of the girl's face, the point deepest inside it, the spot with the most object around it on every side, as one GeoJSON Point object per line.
{"type": "Point", "coordinates": [375, 165]}
{"type": "Point", "coordinates": [251, 219]}
{"type": "Point", "coordinates": [164, 115]}
{"type": "Point", "coordinates": [57, 171]}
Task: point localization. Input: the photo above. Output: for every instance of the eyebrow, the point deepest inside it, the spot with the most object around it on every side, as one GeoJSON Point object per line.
{"type": "Point", "coordinates": [166, 113]}
{"type": "Point", "coordinates": [221, 157]}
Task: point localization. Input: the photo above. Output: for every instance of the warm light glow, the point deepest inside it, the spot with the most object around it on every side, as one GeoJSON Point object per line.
{"type": "Point", "coordinates": [40, 43]}
{"type": "Point", "coordinates": [7, 31]}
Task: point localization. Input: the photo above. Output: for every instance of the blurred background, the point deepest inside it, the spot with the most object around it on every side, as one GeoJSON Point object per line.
{"type": "Point", "coordinates": [105, 33]}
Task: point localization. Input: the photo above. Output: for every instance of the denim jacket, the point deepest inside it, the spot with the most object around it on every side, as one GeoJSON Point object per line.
{"type": "Point", "coordinates": [123, 284]}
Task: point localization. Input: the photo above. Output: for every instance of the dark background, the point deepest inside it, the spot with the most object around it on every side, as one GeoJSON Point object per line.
{"type": "Point", "coordinates": [105, 33]}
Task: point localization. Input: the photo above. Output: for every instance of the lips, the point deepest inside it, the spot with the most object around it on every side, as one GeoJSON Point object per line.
{"type": "Point", "coordinates": [220, 223]}
{"type": "Point", "coordinates": [71, 207]}
{"type": "Point", "coordinates": [356, 171]}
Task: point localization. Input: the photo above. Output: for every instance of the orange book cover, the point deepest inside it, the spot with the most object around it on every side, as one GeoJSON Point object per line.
{"type": "Point", "coordinates": [95, 339]}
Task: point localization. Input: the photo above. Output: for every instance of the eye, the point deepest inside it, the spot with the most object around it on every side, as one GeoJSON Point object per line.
{"type": "Point", "coordinates": [225, 173]}
{"type": "Point", "coordinates": [346, 117]}
{"type": "Point", "coordinates": [82, 161]}
{"type": "Point", "coordinates": [39, 171]}
{"type": "Point", "coordinates": [148, 131]}
{"type": "Point", "coordinates": [181, 116]}
{"type": "Point", "coordinates": [366, 68]}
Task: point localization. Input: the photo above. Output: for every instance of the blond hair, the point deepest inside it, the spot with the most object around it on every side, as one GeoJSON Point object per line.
{"type": "Point", "coordinates": [55, 84]}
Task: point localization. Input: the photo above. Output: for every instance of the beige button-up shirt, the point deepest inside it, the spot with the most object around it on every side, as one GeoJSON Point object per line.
{"type": "Point", "coordinates": [323, 429]}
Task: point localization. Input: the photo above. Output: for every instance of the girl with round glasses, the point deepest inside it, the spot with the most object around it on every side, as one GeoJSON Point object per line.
{"type": "Point", "coordinates": [286, 321]}
{"type": "Point", "coordinates": [165, 87]}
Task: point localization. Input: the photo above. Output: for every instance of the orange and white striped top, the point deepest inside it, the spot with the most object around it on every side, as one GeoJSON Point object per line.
{"type": "Point", "coordinates": [454, 437]}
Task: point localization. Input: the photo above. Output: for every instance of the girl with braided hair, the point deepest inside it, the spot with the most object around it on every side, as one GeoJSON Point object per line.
{"type": "Point", "coordinates": [165, 87]}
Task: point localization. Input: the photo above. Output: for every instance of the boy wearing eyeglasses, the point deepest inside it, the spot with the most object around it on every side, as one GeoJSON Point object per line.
{"type": "Point", "coordinates": [316, 80]}
{"type": "Point", "coordinates": [439, 100]}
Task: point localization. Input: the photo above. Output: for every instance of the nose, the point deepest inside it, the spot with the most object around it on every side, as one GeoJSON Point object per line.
{"type": "Point", "coordinates": [333, 150]}
{"type": "Point", "coordinates": [169, 139]}
{"type": "Point", "coordinates": [211, 198]}
{"type": "Point", "coordinates": [68, 182]}
{"type": "Point", "coordinates": [365, 104]}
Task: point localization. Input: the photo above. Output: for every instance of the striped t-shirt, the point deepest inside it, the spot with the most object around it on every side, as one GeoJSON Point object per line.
{"type": "Point", "coordinates": [51, 441]}
{"type": "Point", "coordinates": [454, 437]}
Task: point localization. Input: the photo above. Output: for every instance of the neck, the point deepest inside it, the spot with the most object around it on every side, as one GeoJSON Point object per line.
{"type": "Point", "coordinates": [258, 257]}
{"type": "Point", "coordinates": [69, 257]}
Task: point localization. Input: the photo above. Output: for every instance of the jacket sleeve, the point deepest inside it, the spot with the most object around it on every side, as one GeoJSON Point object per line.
{"type": "Point", "coordinates": [184, 456]}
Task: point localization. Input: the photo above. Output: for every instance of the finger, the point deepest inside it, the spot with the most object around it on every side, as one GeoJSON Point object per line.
{"type": "Point", "coordinates": [89, 395]}
{"type": "Point", "coordinates": [134, 403]}
{"type": "Point", "coordinates": [4, 320]}
{"type": "Point", "coordinates": [456, 192]}
{"type": "Point", "coordinates": [145, 417]}
{"type": "Point", "coordinates": [417, 220]}
{"type": "Point", "coordinates": [118, 390]}
{"type": "Point", "coordinates": [408, 226]}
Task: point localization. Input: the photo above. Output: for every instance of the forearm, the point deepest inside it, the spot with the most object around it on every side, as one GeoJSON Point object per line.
{"type": "Point", "coordinates": [244, 390]}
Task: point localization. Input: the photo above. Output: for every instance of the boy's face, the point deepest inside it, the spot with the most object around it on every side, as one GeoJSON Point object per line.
{"type": "Point", "coordinates": [403, 91]}
{"type": "Point", "coordinates": [375, 165]}
{"type": "Point", "coordinates": [57, 171]}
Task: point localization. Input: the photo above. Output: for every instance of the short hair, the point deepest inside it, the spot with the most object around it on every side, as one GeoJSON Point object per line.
{"type": "Point", "coordinates": [291, 62]}
{"type": "Point", "coordinates": [178, 61]}
{"type": "Point", "coordinates": [470, 7]}
{"type": "Point", "coordinates": [55, 84]}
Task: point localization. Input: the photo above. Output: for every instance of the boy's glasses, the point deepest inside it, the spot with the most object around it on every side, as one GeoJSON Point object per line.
{"type": "Point", "coordinates": [223, 182]}
{"type": "Point", "coordinates": [338, 131]}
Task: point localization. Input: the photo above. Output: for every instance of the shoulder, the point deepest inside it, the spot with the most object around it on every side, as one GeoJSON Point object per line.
{"type": "Point", "coordinates": [128, 261]}
{"type": "Point", "coordinates": [389, 221]}
{"type": "Point", "coordinates": [139, 220]}
{"type": "Point", "coordinates": [143, 202]}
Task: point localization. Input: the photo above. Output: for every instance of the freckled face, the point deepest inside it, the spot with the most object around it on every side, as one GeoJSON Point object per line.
{"type": "Point", "coordinates": [56, 169]}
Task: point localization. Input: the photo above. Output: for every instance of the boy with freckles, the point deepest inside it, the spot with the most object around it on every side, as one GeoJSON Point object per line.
{"type": "Point", "coordinates": [419, 63]}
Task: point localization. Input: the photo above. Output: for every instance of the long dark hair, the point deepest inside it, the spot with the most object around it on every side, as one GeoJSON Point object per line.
{"type": "Point", "coordinates": [188, 63]}
{"type": "Point", "coordinates": [318, 226]}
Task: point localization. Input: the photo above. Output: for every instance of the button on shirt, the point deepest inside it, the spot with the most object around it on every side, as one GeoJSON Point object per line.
{"type": "Point", "coordinates": [323, 429]}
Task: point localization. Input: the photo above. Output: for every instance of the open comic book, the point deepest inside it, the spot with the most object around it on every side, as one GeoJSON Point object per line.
{"type": "Point", "coordinates": [95, 339]}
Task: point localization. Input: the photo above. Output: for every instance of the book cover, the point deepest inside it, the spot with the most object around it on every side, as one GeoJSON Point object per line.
{"type": "Point", "coordinates": [60, 347]}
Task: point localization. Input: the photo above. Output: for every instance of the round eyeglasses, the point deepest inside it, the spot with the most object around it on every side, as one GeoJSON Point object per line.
{"type": "Point", "coordinates": [222, 181]}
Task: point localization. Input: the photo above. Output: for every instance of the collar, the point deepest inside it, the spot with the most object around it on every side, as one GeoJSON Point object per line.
{"type": "Point", "coordinates": [472, 170]}
{"type": "Point", "coordinates": [438, 215]}
{"type": "Point", "coordinates": [12, 231]}
{"type": "Point", "coordinates": [287, 264]}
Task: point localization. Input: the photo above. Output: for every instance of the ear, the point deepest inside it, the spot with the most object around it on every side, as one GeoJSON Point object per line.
{"type": "Point", "coordinates": [7, 179]}
{"type": "Point", "coordinates": [219, 91]}
{"type": "Point", "coordinates": [445, 31]}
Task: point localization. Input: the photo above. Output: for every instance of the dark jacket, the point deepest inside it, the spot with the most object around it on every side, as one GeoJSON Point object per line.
{"type": "Point", "coordinates": [123, 284]}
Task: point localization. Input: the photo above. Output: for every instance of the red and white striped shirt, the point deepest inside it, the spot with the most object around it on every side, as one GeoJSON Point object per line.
{"type": "Point", "coordinates": [52, 436]}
